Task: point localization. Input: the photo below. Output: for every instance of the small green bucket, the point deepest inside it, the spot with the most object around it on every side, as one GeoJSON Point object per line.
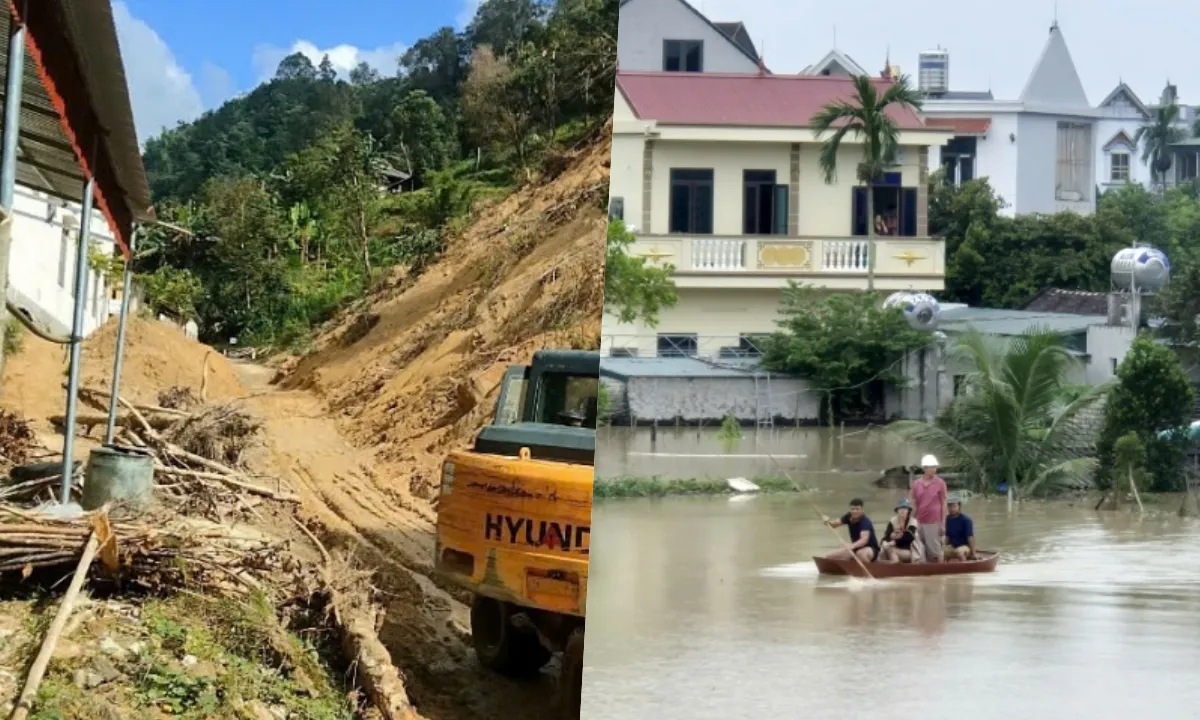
{"type": "Point", "coordinates": [119, 475]}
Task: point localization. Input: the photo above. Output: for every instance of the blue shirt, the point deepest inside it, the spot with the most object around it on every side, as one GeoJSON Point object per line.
{"type": "Point", "coordinates": [959, 529]}
{"type": "Point", "coordinates": [857, 528]}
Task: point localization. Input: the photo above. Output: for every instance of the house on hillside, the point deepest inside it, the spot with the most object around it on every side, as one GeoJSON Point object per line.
{"type": "Point", "coordinates": [673, 36]}
{"type": "Point", "coordinates": [1046, 138]}
{"type": "Point", "coordinates": [1118, 156]}
{"type": "Point", "coordinates": [719, 175]}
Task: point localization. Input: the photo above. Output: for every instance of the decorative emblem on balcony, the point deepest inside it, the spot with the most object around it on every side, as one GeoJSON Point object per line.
{"type": "Point", "coordinates": [655, 255]}
{"type": "Point", "coordinates": [909, 257]}
{"type": "Point", "coordinates": [792, 256]}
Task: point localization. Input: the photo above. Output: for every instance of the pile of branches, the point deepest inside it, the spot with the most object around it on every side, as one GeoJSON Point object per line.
{"type": "Point", "coordinates": [198, 454]}
{"type": "Point", "coordinates": [155, 553]}
{"type": "Point", "coordinates": [16, 439]}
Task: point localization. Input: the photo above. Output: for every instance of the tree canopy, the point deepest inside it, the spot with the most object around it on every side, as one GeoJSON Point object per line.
{"type": "Point", "coordinates": [289, 190]}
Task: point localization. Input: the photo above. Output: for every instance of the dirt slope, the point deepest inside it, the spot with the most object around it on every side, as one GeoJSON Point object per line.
{"type": "Point", "coordinates": [417, 371]}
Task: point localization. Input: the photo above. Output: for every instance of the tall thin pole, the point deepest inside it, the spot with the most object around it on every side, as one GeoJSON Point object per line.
{"type": "Point", "coordinates": [120, 353]}
{"type": "Point", "coordinates": [12, 114]}
{"type": "Point", "coordinates": [81, 274]}
{"type": "Point", "coordinates": [8, 158]}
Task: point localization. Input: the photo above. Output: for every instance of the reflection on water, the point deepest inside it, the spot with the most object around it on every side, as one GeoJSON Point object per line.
{"type": "Point", "coordinates": [700, 453]}
{"type": "Point", "coordinates": [706, 608]}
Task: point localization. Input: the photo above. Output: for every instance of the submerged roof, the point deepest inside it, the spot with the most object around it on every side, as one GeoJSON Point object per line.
{"type": "Point", "coordinates": [76, 117]}
{"type": "Point", "coordinates": [624, 368]}
{"type": "Point", "coordinates": [742, 100]}
{"type": "Point", "coordinates": [990, 321]}
{"type": "Point", "coordinates": [1054, 80]}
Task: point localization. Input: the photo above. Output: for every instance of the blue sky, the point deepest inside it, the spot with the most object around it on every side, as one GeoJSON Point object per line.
{"type": "Point", "coordinates": [186, 56]}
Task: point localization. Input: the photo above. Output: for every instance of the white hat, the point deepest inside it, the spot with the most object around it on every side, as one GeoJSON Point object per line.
{"type": "Point", "coordinates": [929, 461]}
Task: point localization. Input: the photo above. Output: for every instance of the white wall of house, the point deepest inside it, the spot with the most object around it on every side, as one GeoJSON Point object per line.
{"type": "Point", "coordinates": [1037, 163]}
{"type": "Point", "coordinates": [645, 24]}
{"type": "Point", "coordinates": [42, 263]}
{"type": "Point", "coordinates": [996, 157]}
{"type": "Point", "coordinates": [1107, 346]}
{"type": "Point", "coordinates": [718, 316]}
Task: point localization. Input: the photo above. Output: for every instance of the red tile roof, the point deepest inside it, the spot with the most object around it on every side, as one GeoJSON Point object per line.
{"type": "Point", "coordinates": [960, 126]}
{"type": "Point", "coordinates": [741, 100]}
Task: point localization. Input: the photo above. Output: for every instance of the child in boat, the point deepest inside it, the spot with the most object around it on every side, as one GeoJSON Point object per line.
{"type": "Point", "coordinates": [960, 531]}
{"type": "Point", "coordinates": [902, 539]}
{"type": "Point", "coordinates": [863, 542]}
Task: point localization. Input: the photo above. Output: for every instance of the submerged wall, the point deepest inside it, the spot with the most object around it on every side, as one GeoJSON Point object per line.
{"type": "Point", "coordinates": [668, 400]}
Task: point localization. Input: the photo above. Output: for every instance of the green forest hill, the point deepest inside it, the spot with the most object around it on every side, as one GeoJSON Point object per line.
{"type": "Point", "coordinates": [290, 191]}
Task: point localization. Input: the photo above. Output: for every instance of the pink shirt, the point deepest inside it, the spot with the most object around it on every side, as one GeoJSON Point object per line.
{"type": "Point", "coordinates": [928, 498]}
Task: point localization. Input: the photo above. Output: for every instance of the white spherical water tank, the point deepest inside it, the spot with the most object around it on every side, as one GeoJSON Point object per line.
{"type": "Point", "coordinates": [921, 310]}
{"type": "Point", "coordinates": [1147, 269]}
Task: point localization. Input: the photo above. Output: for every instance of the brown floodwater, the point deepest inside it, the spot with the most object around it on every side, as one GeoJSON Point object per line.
{"type": "Point", "coordinates": [711, 608]}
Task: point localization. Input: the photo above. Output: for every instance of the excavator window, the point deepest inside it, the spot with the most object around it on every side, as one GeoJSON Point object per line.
{"type": "Point", "coordinates": [569, 400]}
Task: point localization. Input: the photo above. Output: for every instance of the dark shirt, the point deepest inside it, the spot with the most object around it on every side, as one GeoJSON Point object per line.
{"type": "Point", "coordinates": [905, 541]}
{"type": "Point", "coordinates": [959, 529]}
{"type": "Point", "coordinates": [857, 528]}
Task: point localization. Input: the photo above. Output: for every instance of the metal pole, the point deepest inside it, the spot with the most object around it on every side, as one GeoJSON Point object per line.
{"type": "Point", "coordinates": [120, 353]}
{"type": "Point", "coordinates": [12, 115]}
{"type": "Point", "coordinates": [81, 273]}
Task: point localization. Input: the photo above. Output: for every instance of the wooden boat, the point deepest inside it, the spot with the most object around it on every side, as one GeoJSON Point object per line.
{"type": "Point", "coordinates": [984, 562]}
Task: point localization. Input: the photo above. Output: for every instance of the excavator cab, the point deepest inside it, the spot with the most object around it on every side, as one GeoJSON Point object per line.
{"type": "Point", "coordinates": [514, 519]}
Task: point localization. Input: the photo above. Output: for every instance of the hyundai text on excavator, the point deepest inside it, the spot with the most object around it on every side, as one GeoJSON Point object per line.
{"type": "Point", "coordinates": [514, 519]}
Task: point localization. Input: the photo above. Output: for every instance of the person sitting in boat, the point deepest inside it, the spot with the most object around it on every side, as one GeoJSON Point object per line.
{"type": "Point", "coordinates": [863, 542]}
{"type": "Point", "coordinates": [901, 539]}
{"type": "Point", "coordinates": [960, 531]}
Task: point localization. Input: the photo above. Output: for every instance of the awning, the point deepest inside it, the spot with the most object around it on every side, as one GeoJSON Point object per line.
{"type": "Point", "coordinates": [960, 126]}
{"type": "Point", "coordinates": [76, 116]}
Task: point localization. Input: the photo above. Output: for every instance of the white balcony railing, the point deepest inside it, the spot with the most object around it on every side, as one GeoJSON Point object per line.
{"type": "Point", "coordinates": [844, 255]}
{"type": "Point", "coordinates": [722, 254]}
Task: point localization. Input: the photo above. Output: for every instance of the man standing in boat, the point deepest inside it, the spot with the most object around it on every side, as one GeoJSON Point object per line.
{"type": "Point", "coordinates": [960, 531]}
{"type": "Point", "coordinates": [863, 542]}
{"type": "Point", "coordinates": [929, 499]}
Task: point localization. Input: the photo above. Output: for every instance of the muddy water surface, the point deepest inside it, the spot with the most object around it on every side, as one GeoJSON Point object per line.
{"type": "Point", "coordinates": [710, 608]}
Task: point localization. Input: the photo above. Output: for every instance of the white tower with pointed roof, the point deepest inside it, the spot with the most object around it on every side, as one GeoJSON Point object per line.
{"type": "Point", "coordinates": [1037, 151]}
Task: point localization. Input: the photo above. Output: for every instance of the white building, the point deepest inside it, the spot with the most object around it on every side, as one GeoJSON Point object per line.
{"type": "Point", "coordinates": [1118, 156]}
{"type": "Point", "coordinates": [672, 36]}
{"type": "Point", "coordinates": [1047, 138]}
{"type": "Point", "coordinates": [45, 237]}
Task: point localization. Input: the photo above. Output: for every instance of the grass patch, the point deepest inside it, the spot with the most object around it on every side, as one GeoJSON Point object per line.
{"type": "Point", "coordinates": [639, 487]}
{"type": "Point", "coordinates": [196, 658]}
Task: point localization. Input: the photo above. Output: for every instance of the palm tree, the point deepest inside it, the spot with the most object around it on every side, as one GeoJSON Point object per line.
{"type": "Point", "coordinates": [1016, 420]}
{"type": "Point", "coordinates": [1156, 138]}
{"type": "Point", "coordinates": [865, 118]}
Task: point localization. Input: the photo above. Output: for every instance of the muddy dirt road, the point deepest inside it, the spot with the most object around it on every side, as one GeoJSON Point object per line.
{"type": "Point", "coordinates": [362, 506]}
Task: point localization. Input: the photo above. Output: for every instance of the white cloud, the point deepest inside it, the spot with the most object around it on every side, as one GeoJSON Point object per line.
{"type": "Point", "coordinates": [467, 13]}
{"type": "Point", "coordinates": [216, 84]}
{"type": "Point", "coordinates": [161, 91]}
{"type": "Point", "coordinates": [343, 57]}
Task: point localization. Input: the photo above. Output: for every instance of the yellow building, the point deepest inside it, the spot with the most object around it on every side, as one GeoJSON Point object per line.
{"type": "Point", "coordinates": [719, 176]}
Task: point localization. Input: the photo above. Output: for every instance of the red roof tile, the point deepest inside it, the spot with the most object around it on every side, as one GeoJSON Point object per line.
{"type": "Point", "coordinates": [960, 126]}
{"type": "Point", "coordinates": [741, 100]}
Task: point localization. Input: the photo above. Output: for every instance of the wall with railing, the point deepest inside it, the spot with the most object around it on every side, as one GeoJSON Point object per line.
{"type": "Point", "coordinates": [45, 235]}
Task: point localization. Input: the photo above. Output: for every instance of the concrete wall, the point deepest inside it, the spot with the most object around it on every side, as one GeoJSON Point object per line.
{"type": "Point", "coordinates": [691, 400]}
{"type": "Point", "coordinates": [825, 209]}
{"type": "Point", "coordinates": [1106, 344]}
{"type": "Point", "coordinates": [717, 315]}
{"type": "Point", "coordinates": [645, 24]}
{"type": "Point", "coordinates": [626, 166]}
{"type": "Point", "coordinates": [42, 263]}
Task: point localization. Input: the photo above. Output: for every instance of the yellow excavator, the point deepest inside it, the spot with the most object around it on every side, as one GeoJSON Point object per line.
{"type": "Point", "coordinates": [514, 520]}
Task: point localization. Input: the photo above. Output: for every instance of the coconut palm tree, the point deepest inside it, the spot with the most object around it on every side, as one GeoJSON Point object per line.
{"type": "Point", "coordinates": [865, 118]}
{"type": "Point", "coordinates": [1016, 419]}
{"type": "Point", "coordinates": [1156, 137]}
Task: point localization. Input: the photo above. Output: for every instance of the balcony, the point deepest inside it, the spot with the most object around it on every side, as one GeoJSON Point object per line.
{"type": "Point", "coordinates": [763, 261]}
